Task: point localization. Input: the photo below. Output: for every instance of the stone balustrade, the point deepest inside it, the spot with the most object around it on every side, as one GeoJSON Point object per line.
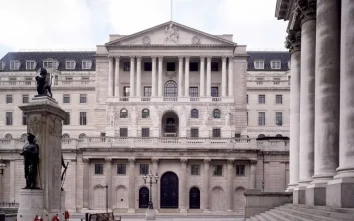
{"type": "Point", "coordinates": [171, 99]}
{"type": "Point", "coordinates": [60, 83]}
{"type": "Point", "coordinates": [268, 84]}
{"type": "Point", "coordinates": [159, 142]}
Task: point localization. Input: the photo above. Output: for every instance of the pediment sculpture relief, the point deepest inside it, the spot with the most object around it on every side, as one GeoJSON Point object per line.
{"type": "Point", "coordinates": [171, 33]}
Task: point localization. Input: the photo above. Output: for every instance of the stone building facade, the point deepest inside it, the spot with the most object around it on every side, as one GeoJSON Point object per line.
{"type": "Point", "coordinates": [169, 100]}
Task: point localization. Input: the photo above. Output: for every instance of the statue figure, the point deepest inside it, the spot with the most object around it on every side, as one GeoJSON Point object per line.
{"type": "Point", "coordinates": [44, 83]}
{"type": "Point", "coordinates": [30, 153]}
{"type": "Point", "coordinates": [183, 118]}
{"type": "Point", "coordinates": [134, 116]}
{"type": "Point", "coordinates": [206, 116]}
{"type": "Point", "coordinates": [227, 119]}
{"type": "Point", "coordinates": [171, 33]}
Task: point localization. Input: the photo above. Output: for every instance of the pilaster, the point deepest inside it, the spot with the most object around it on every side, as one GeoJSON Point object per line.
{"type": "Point", "coordinates": [132, 76]}
{"type": "Point", "coordinates": [186, 77]}
{"type": "Point", "coordinates": [183, 186]}
{"type": "Point", "coordinates": [131, 185]}
{"type": "Point", "coordinates": [206, 185]}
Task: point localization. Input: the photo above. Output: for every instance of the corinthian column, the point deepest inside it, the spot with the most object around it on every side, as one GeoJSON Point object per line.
{"type": "Point", "coordinates": [231, 76]}
{"type": "Point", "coordinates": [153, 83]}
{"type": "Point", "coordinates": [155, 162]}
{"type": "Point", "coordinates": [138, 76]}
{"type": "Point", "coordinates": [110, 76]}
{"type": "Point", "coordinates": [223, 77]}
{"type": "Point", "coordinates": [208, 78]}
{"type": "Point", "coordinates": [307, 12]}
{"type": "Point", "coordinates": [159, 86]}
{"type": "Point", "coordinates": [180, 76]}
{"type": "Point", "coordinates": [131, 185]}
{"type": "Point", "coordinates": [116, 78]}
{"type": "Point", "coordinates": [253, 174]}
{"type": "Point", "coordinates": [108, 173]}
{"type": "Point", "coordinates": [206, 185]}
{"type": "Point", "coordinates": [202, 77]}
{"type": "Point", "coordinates": [230, 187]}
{"type": "Point", "coordinates": [186, 77]}
{"type": "Point", "coordinates": [183, 181]}
{"type": "Point", "coordinates": [340, 191]}
{"type": "Point", "coordinates": [293, 43]}
{"type": "Point", "coordinates": [86, 186]}
{"type": "Point", "coordinates": [132, 77]}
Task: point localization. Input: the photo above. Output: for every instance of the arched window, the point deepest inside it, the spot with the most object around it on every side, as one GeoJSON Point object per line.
{"type": "Point", "coordinates": [170, 89]}
{"type": "Point", "coordinates": [145, 113]}
{"type": "Point", "coordinates": [8, 136]}
{"type": "Point", "coordinates": [261, 136]}
{"type": "Point", "coordinates": [278, 135]}
{"type": "Point", "coordinates": [65, 136]}
{"type": "Point", "coordinates": [216, 113]}
{"type": "Point", "coordinates": [194, 113]}
{"type": "Point", "coordinates": [82, 136]}
{"type": "Point", "coordinates": [123, 113]}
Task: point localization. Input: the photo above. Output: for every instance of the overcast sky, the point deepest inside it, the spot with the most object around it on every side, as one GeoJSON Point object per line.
{"type": "Point", "coordinates": [83, 24]}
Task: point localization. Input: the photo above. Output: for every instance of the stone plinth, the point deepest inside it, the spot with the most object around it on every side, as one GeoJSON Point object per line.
{"type": "Point", "coordinates": [44, 120]}
{"type": "Point", "coordinates": [150, 214]}
{"type": "Point", "coordinates": [299, 195]}
{"type": "Point", "coordinates": [316, 194]}
{"type": "Point", "coordinates": [340, 193]}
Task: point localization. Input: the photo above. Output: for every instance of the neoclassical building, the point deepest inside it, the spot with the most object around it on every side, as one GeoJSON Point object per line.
{"type": "Point", "coordinates": [170, 100]}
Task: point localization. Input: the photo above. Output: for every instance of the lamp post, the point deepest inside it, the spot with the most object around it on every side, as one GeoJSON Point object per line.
{"type": "Point", "coordinates": [151, 176]}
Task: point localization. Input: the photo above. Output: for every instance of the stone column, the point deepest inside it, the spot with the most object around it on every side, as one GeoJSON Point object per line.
{"type": "Point", "coordinates": [202, 76]}
{"type": "Point", "coordinates": [138, 76]}
{"type": "Point", "coordinates": [230, 186]}
{"type": "Point", "coordinates": [183, 186]}
{"type": "Point", "coordinates": [186, 77]}
{"type": "Point", "coordinates": [86, 186]}
{"type": "Point", "coordinates": [73, 185]}
{"type": "Point", "coordinates": [116, 77]}
{"type": "Point", "coordinates": [208, 79]}
{"type": "Point", "coordinates": [108, 172]}
{"type": "Point", "coordinates": [253, 173]}
{"type": "Point", "coordinates": [159, 86]}
{"type": "Point", "coordinates": [326, 100]}
{"type": "Point", "coordinates": [110, 76]}
{"type": "Point", "coordinates": [132, 76]}
{"type": "Point", "coordinates": [180, 76]}
{"type": "Point", "coordinates": [231, 76]}
{"type": "Point", "coordinates": [155, 162]}
{"type": "Point", "coordinates": [131, 185]}
{"type": "Point", "coordinates": [293, 43]}
{"type": "Point", "coordinates": [206, 185]}
{"type": "Point", "coordinates": [340, 191]}
{"type": "Point", "coordinates": [153, 73]}
{"type": "Point", "coordinates": [223, 77]}
{"type": "Point", "coordinates": [307, 98]}
{"type": "Point", "coordinates": [12, 180]}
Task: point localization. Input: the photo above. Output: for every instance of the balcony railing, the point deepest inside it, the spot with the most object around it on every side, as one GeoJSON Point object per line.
{"type": "Point", "coordinates": [171, 99]}
{"type": "Point", "coordinates": [268, 84]}
{"type": "Point", "coordinates": [159, 142]}
{"type": "Point", "coordinates": [60, 83]}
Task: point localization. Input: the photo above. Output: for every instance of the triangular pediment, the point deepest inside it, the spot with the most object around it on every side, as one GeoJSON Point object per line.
{"type": "Point", "coordinates": [171, 34]}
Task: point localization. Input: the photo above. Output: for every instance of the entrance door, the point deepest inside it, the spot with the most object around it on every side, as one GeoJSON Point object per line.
{"type": "Point", "coordinates": [169, 190]}
{"type": "Point", "coordinates": [143, 197]}
{"type": "Point", "coordinates": [194, 198]}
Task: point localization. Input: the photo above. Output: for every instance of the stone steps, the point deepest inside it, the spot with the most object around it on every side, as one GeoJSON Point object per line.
{"type": "Point", "coordinates": [291, 212]}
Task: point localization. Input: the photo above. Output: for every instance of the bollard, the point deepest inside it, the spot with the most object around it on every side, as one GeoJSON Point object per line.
{"type": "Point", "coordinates": [2, 216]}
{"type": "Point", "coordinates": [86, 217]}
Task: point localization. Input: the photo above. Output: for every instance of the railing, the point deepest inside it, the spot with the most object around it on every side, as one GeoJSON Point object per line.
{"type": "Point", "coordinates": [171, 99]}
{"type": "Point", "coordinates": [60, 83]}
{"type": "Point", "coordinates": [268, 83]}
{"type": "Point", "coordinates": [8, 205]}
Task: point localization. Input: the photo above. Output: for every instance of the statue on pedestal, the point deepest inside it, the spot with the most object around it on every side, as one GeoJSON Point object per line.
{"type": "Point", "coordinates": [44, 83]}
{"type": "Point", "coordinates": [30, 153]}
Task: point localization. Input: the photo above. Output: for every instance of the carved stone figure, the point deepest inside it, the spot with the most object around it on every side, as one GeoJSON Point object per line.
{"type": "Point", "coordinates": [227, 119]}
{"type": "Point", "coordinates": [171, 33]}
{"type": "Point", "coordinates": [30, 153]}
{"type": "Point", "coordinates": [206, 116]}
{"type": "Point", "coordinates": [134, 115]}
{"type": "Point", "coordinates": [44, 83]}
{"type": "Point", "coordinates": [183, 118]}
{"type": "Point", "coordinates": [156, 116]}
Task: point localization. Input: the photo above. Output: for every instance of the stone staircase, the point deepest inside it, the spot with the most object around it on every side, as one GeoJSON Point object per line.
{"type": "Point", "coordinates": [304, 213]}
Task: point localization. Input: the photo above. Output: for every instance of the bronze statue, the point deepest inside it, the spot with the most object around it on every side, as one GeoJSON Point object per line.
{"type": "Point", "coordinates": [43, 83]}
{"type": "Point", "coordinates": [30, 153]}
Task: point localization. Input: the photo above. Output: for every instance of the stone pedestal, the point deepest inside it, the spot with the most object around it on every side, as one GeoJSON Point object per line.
{"type": "Point", "coordinates": [340, 193]}
{"type": "Point", "coordinates": [299, 195]}
{"type": "Point", "coordinates": [44, 121]}
{"type": "Point", "coordinates": [150, 214]}
{"type": "Point", "coordinates": [316, 194]}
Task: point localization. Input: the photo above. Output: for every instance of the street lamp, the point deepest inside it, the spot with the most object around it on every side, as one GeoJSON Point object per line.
{"type": "Point", "coordinates": [156, 177]}
{"type": "Point", "coordinates": [2, 167]}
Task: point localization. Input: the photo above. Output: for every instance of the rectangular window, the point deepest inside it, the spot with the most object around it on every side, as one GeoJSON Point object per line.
{"type": "Point", "coordinates": [50, 64]}
{"type": "Point", "coordinates": [126, 66]}
{"type": "Point", "coordinates": [28, 80]}
{"type": "Point", "coordinates": [276, 81]}
{"type": "Point", "coordinates": [144, 169]}
{"type": "Point", "coordinates": [275, 65]}
{"type": "Point", "coordinates": [261, 118]}
{"type": "Point", "coordinates": [240, 170]}
{"type": "Point", "coordinates": [9, 98]}
{"type": "Point", "coordinates": [195, 169]}
{"type": "Point", "coordinates": [194, 132]}
{"type": "Point", "coordinates": [86, 64]}
{"type": "Point", "coordinates": [121, 169]}
{"type": "Point", "coordinates": [30, 65]}
{"type": "Point", "coordinates": [145, 132]}
{"type": "Point", "coordinates": [83, 118]}
{"type": "Point", "coordinates": [261, 99]}
{"type": "Point", "coordinates": [214, 91]}
{"type": "Point", "coordinates": [193, 66]}
{"type": "Point", "coordinates": [147, 66]}
{"type": "Point", "coordinates": [217, 170]}
{"type": "Point", "coordinates": [123, 132]}
{"type": "Point", "coordinates": [247, 98]}
{"type": "Point", "coordinates": [171, 66]}
{"type": "Point", "coordinates": [83, 98]}
{"type": "Point", "coordinates": [2, 65]}
{"type": "Point", "coordinates": [259, 65]}
{"type": "Point", "coordinates": [9, 118]}
{"type": "Point", "coordinates": [259, 81]}
{"type": "Point", "coordinates": [216, 132]}
{"type": "Point", "coordinates": [70, 64]}
{"type": "Point", "coordinates": [193, 92]}
{"type": "Point", "coordinates": [14, 65]}
{"type": "Point", "coordinates": [25, 98]}
{"type": "Point", "coordinates": [98, 168]}
{"type": "Point", "coordinates": [24, 119]}
{"type": "Point", "coordinates": [67, 119]}
{"type": "Point", "coordinates": [278, 99]}
{"type": "Point", "coordinates": [66, 98]}
{"type": "Point", "coordinates": [279, 118]}
{"type": "Point", "coordinates": [126, 91]}
{"type": "Point", "coordinates": [214, 66]}
{"type": "Point", "coordinates": [56, 79]}
{"type": "Point", "coordinates": [68, 79]}
{"type": "Point", "coordinates": [147, 91]}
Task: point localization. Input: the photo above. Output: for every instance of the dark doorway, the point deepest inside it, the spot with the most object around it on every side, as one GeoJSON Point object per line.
{"type": "Point", "coordinates": [143, 197]}
{"type": "Point", "coordinates": [169, 190]}
{"type": "Point", "coordinates": [194, 198]}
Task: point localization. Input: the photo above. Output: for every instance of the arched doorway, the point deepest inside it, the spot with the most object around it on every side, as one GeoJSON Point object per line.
{"type": "Point", "coordinates": [170, 124]}
{"type": "Point", "coordinates": [217, 199]}
{"type": "Point", "coordinates": [240, 200]}
{"type": "Point", "coordinates": [143, 197]}
{"type": "Point", "coordinates": [169, 190]}
{"type": "Point", "coordinates": [194, 198]}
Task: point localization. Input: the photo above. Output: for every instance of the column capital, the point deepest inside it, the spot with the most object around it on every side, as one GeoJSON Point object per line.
{"type": "Point", "coordinates": [180, 58]}
{"type": "Point", "coordinates": [187, 57]}
{"type": "Point", "coordinates": [183, 160]}
{"type": "Point", "coordinates": [131, 160]}
{"type": "Point", "coordinates": [110, 57]}
{"type": "Point", "coordinates": [293, 41]}
{"type": "Point", "coordinates": [305, 10]}
{"type": "Point", "coordinates": [160, 58]}
{"type": "Point", "coordinates": [209, 58]}
{"type": "Point", "coordinates": [138, 58]}
{"type": "Point", "coordinates": [108, 160]}
{"type": "Point", "coordinates": [132, 58]}
{"type": "Point", "coordinates": [223, 58]}
{"type": "Point", "coordinates": [117, 57]}
{"type": "Point", "coordinates": [253, 162]}
{"type": "Point", "coordinates": [202, 58]}
{"type": "Point", "coordinates": [153, 58]}
{"type": "Point", "coordinates": [207, 161]}
{"type": "Point", "coordinates": [230, 57]}
{"type": "Point", "coordinates": [86, 160]}
{"type": "Point", "coordinates": [230, 161]}
{"type": "Point", "coordinates": [154, 160]}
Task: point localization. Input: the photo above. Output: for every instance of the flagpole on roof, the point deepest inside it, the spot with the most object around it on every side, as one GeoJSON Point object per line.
{"type": "Point", "coordinates": [171, 9]}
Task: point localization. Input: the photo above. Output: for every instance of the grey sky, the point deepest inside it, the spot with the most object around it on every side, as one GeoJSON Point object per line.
{"type": "Point", "coordinates": [83, 24]}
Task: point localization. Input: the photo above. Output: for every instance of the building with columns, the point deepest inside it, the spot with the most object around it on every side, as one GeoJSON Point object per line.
{"type": "Point", "coordinates": [321, 42]}
{"type": "Point", "coordinates": [170, 100]}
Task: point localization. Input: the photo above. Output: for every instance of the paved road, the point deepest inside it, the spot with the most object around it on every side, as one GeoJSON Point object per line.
{"type": "Point", "coordinates": [179, 219]}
